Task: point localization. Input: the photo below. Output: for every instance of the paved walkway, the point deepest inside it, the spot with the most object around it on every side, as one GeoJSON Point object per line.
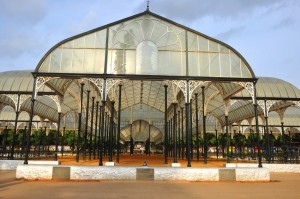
{"type": "Point", "coordinates": [281, 186]}
{"type": "Point", "coordinates": [285, 186]}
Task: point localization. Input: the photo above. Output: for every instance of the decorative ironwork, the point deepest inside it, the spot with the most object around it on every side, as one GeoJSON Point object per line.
{"type": "Point", "coordinates": [99, 83]}
{"type": "Point", "coordinates": [40, 81]}
{"type": "Point", "coordinates": [183, 87]}
{"type": "Point", "coordinates": [58, 101]}
{"type": "Point", "coordinates": [194, 84]}
{"type": "Point", "coordinates": [249, 86]}
{"type": "Point", "coordinates": [14, 98]}
{"type": "Point", "coordinates": [266, 105]}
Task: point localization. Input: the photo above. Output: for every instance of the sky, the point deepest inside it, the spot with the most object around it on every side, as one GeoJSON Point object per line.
{"type": "Point", "coordinates": [265, 32]}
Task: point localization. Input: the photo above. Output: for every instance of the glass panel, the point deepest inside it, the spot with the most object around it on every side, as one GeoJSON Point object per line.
{"type": "Point", "coordinates": [100, 39]}
{"type": "Point", "coordinates": [79, 42]}
{"type": "Point", "coordinates": [192, 39]}
{"type": "Point", "coordinates": [99, 61]}
{"type": "Point", "coordinates": [88, 64]}
{"type": "Point", "coordinates": [134, 29]}
{"type": "Point", "coordinates": [159, 30]}
{"type": "Point", "coordinates": [147, 26]}
{"type": "Point", "coordinates": [225, 65]}
{"type": "Point", "coordinates": [55, 60]}
{"type": "Point", "coordinates": [69, 44]}
{"type": "Point", "coordinates": [66, 62]}
{"type": "Point", "coordinates": [167, 39]}
{"type": "Point", "coordinates": [204, 67]}
{"type": "Point", "coordinates": [77, 60]}
{"type": "Point", "coordinates": [214, 65]}
{"type": "Point", "coordinates": [45, 65]}
{"type": "Point", "coordinates": [169, 63]}
{"type": "Point", "coordinates": [90, 40]}
{"type": "Point", "coordinates": [146, 58]}
{"type": "Point", "coordinates": [118, 64]}
{"type": "Point", "coordinates": [235, 65]}
{"type": "Point", "coordinates": [213, 46]}
{"type": "Point", "coordinates": [203, 44]}
{"type": "Point", "coordinates": [193, 64]}
{"type": "Point", "coordinates": [126, 38]}
{"type": "Point", "coordinates": [223, 49]}
{"type": "Point", "coordinates": [245, 72]}
{"type": "Point", "coordinates": [130, 61]}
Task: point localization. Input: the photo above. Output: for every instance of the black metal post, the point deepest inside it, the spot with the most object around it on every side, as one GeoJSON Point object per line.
{"type": "Point", "coordinates": [197, 125]}
{"type": "Point", "coordinates": [182, 131]}
{"type": "Point", "coordinates": [119, 123]}
{"type": "Point", "coordinates": [166, 123]}
{"type": "Point", "coordinates": [96, 130]}
{"type": "Point", "coordinates": [178, 132]}
{"type": "Point", "coordinates": [79, 122]}
{"type": "Point", "coordinates": [110, 146]}
{"type": "Point", "coordinates": [217, 144]}
{"type": "Point", "coordinates": [91, 130]}
{"type": "Point", "coordinates": [102, 116]}
{"type": "Point", "coordinates": [175, 133]}
{"type": "Point", "coordinates": [282, 134]}
{"type": "Point", "coordinates": [188, 133]}
{"type": "Point", "coordinates": [191, 127]}
{"type": "Point", "coordinates": [204, 125]}
{"type": "Point", "coordinates": [86, 123]}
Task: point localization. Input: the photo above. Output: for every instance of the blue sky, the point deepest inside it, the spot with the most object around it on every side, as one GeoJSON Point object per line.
{"type": "Point", "coordinates": [265, 32]}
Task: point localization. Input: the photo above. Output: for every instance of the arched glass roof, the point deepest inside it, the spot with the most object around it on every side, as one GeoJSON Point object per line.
{"type": "Point", "coordinates": [18, 82]}
{"type": "Point", "coordinates": [270, 87]}
{"type": "Point", "coordinates": [145, 44]}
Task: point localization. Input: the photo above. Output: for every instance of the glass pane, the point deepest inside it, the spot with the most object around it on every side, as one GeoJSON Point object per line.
{"type": "Point", "coordinates": [90, 40]}
{"type": "Point", "coordinates": [100, 39]}
{"type": "Point", "coordinates": [223, 49]}
{"type": "Point", "coordinates": [148, 27]}
{"type": "Point", "coordinates": [134, 29]}
{"type": "Point", "coordinates": [193, 64]}
{"type": "Point", "coordinates": [245, 72]}
{"type": "Point", "coordinates": [214, 65]}
{"type": "Point", "coordinates": [213, 46]}
{"type": "Point", "coordinates": [203, 44]}
{"type": "Point", "coordinates": [77, 60]}
{"type": "Point", "coordinates": [159, 30]}
{"type": "Point", "coordinates": [88, 64]}
{"type": "Point", "coordinates": [204, 65]}
{"type": "Point", "coordinates": [225, 65]}
{"type": "Point", "coordinates": [130, 61]}
{"type": "Point", "coordinates": [167, 39]}
{"type": "Point", "coordinates": [55, 60]}
{"type": "Point", "coordinates": [99, 61]}
{"type": "Point", "coordinates": [192, 40]}
{"type": "Point", "coordinates": [170, 63]}
{"type": "Point", "coordinates": [45, 65]}
{"type": "Point", "coordinates": [79, 42]}
{"type": "Point", "coordinates": [66, 62]}
{"type": "Point", "coordinates": [235, 65]}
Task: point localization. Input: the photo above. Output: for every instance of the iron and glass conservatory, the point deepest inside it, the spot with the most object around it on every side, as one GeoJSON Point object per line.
{"type": "Point", "coordinates": [145, 79]}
